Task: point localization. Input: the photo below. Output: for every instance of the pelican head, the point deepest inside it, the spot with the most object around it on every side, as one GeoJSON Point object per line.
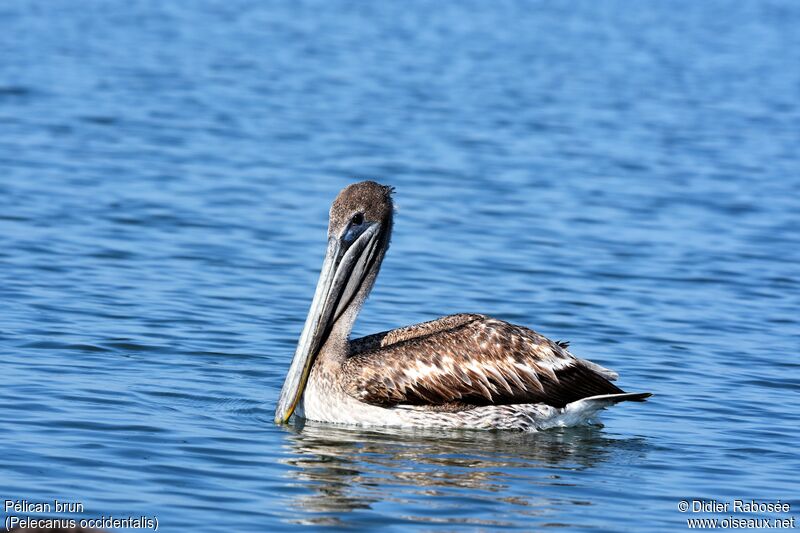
{"type": "Point", "coordinates": [358, 235]}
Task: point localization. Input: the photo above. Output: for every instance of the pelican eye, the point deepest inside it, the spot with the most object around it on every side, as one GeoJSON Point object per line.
{"type": "Point", "coordinates": [354, 228]}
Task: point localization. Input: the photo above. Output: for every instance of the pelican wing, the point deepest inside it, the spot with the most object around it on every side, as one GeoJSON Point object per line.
{"type": "Point", "coordinates": [469, 359]}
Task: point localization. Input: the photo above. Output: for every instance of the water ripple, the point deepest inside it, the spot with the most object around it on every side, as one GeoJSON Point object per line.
{"type": "Point", "coordinates": [623, 178]}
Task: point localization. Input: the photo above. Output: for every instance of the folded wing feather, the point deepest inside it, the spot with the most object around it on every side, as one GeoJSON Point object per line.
{"type": "Point", "coordinates": [470, 359]}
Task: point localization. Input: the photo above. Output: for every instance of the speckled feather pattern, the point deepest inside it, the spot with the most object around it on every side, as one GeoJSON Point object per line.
{"type": "Point", "coordinates": [325, 400]}
{"type": "Point", "coordinates": [468, 358]}
{"type": "Point", "coordinates": [354, 391]}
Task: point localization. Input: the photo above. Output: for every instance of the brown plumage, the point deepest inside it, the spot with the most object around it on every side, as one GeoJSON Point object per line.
{"type": "Point", "coordinates": [470, 359]}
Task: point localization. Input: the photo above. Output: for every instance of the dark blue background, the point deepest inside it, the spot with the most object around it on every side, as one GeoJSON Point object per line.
{"type": "Point", "coordinates": [622, 175]}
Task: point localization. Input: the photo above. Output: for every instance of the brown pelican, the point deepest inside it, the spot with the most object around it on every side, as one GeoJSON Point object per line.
{"type": "Point", "coordinates": [462, 371]}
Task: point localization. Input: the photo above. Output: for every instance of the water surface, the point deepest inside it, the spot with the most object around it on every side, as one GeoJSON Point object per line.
{"type": "Point", "coordinates": [624, 177]}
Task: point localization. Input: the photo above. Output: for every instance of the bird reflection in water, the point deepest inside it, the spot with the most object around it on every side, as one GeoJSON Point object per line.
{"type": "Point", "coordinates": [351, 469]}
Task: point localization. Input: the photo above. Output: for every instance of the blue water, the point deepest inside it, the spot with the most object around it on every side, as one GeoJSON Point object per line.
{"type": "Point", "coordinates": [624, 176]}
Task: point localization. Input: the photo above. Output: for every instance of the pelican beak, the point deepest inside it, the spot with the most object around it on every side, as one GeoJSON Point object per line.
{"type": "Point", "coordinates": [348, 260]}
